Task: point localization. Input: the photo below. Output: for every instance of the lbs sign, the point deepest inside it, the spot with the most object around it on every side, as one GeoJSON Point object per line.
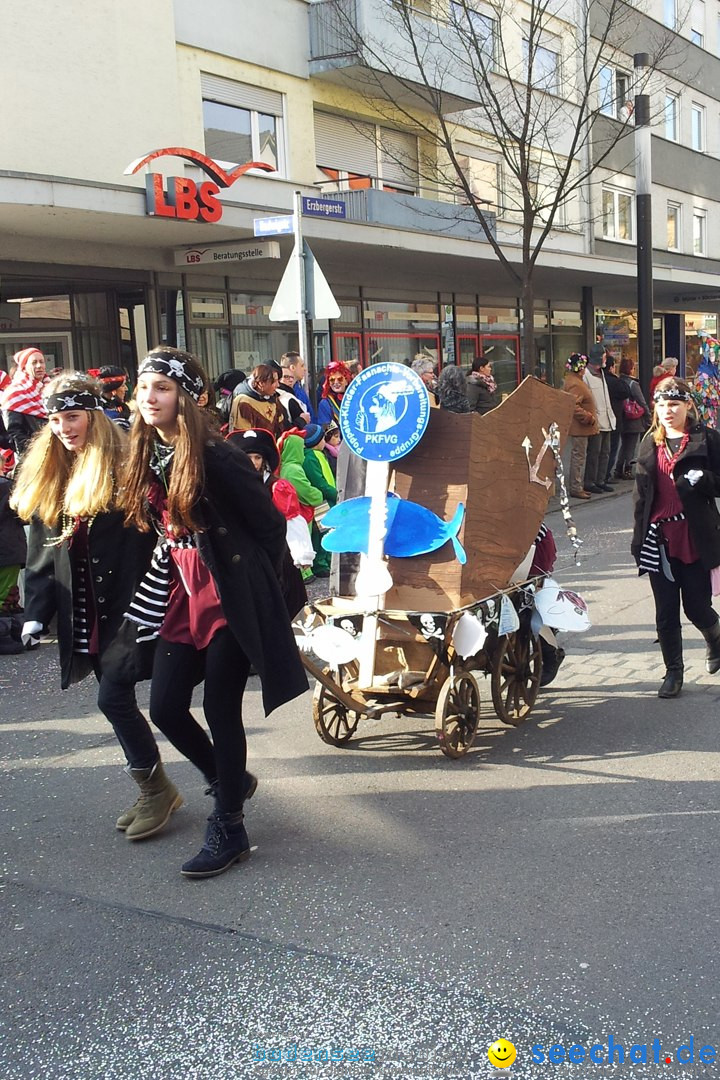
{"type": "Point", "coordinates": [183, 199]}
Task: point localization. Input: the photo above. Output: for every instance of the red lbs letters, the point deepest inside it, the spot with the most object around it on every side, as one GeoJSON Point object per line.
{"type": "Point", "coordinates": [185, 200]}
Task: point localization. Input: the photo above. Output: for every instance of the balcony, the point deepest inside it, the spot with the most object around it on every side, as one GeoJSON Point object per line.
{"type": "Point", "coordinates": [393, 210]}
{"type": "Point", "coordinates": [361, 44]}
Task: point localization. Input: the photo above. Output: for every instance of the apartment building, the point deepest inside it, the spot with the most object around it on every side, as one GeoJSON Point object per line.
{"type": "Point", "coordinates": [97, 262]}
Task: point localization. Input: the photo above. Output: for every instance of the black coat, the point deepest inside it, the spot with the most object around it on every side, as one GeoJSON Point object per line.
{"type": "Point", "coordinates": [702, 452]}
{"type": "Point", "coordinates": [13, 546]}
{"type": "Point", "coordinates": [119, 559]}
{"type": "Point", "coordinates": [20, 429]}
{"type": "Point", "coordinates": [480, 398]}
{"type": "Point", "coordinates": [243, 544]}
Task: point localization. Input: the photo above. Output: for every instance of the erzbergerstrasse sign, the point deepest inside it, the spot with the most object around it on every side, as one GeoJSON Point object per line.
{"type": "Point", "coordinates": [182, 198]}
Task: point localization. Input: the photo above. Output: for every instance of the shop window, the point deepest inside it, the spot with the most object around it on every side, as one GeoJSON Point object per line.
{"type": "Point", "coordinates": [242, 123]}
{"type": "Point", "coordinates": [617, 214]}
{"type": "Point", "coordinates": [207, 308]}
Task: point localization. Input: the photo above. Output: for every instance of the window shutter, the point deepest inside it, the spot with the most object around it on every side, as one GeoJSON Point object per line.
{"type": "Point", "coordinates": [399, 157]}
{"type": "Point", "coordinates": [342, 143]}
{"type": "Point", "coordinates": [242, 95]}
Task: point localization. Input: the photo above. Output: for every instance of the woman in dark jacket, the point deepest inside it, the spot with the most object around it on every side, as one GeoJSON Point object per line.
{"type": "Point", "coordinates": [632, 426]}
{"type": "Point", "coordinates": [676, 537]}
{"type": "Point", "coordinates": [482, 390]}
{"type": "Point", "coordinates": [213, 598]}
{"type": "Point", "coordinates": [83, 566]}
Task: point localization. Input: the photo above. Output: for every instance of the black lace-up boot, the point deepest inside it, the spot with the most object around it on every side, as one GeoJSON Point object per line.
{"type": "Point", "coordinates": [226, 842]}
{"type": "Point", "coordinates": [712, 653]}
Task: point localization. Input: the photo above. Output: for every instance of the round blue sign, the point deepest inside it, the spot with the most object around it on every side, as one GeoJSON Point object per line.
{"type": "Point", "coordinates": [384, 412]}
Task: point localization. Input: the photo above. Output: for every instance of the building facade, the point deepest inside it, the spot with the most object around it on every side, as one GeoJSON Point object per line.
{"type": "Point", "coordinates": [99, 263]}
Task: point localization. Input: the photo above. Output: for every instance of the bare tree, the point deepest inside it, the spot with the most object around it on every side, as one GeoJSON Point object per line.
{"type": "Point", "coordinates": [530, 85]}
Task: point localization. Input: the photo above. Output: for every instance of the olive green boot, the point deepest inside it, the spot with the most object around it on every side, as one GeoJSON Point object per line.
{"type": "Point", "coordinates": [159, 798]}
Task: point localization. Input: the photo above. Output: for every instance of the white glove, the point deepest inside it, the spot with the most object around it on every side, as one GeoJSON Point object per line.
{"type": "Point", "coordinates": [30, 634]}
{"type": "Point", "coordinates": [693, 475]}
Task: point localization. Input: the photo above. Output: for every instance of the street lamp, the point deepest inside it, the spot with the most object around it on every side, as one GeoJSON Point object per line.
{"type": "Point", "coordinates": [643, 223]}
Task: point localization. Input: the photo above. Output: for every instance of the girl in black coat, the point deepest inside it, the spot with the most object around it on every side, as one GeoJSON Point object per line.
{"type": "Point", "coordinates": [213, 598]}
{"type": "Point", "coordinates": [84, 566]}
{"type": "Point", "coordinates": [676, 538]}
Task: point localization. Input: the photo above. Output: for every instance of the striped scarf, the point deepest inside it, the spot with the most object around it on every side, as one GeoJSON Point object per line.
{"type": "Point", "coordinates": [149, 604]}
{"type": "Point", "coordinates": [653, 558]}
{"type": "Point", "coordinates": [24, 395]}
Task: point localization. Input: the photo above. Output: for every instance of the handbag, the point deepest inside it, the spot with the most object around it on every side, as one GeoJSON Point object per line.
{"type": "Point", "coordinates": [319, 513]}
{"type": "Point", "coordinates": [632, 410]}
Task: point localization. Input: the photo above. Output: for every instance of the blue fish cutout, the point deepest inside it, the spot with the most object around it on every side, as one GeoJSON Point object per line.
{"type": "Point", "coordinates": [411, 528]}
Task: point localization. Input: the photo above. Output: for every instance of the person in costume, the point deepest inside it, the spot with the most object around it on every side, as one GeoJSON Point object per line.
{"type": "Point", "coordinates": [292, 469]}
{"type": "Point", "coordinates": [676, 535]}
{"type": "Point", "coordinates": [337, 378]}
{"type": "Point", "coordinates": [263, 452]}
{"type": "Point", "coordinates": [256, 403]}
{"type": "Point", "coordinates": [212, 599]}
{"type": "Point", "coordinates": [83, 565]}
{"type": "Point", "coordinates": [706, 388]}
{"type": "Point", "coordinates": [319, 473]}
{"type": "Point", "coordinates": [113, 381]}
{"type": "Point", "coordinates": [22, 402]}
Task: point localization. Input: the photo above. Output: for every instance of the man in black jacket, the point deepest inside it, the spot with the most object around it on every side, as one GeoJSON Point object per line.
{"type": "Point", "coordinates": [619, 391]}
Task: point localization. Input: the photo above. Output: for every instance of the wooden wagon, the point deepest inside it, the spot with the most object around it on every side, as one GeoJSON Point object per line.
{"type": "Point", "coordinates": [502, 467]}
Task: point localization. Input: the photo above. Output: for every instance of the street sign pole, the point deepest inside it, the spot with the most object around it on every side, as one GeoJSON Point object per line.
{"type": "Point", "coordinates": [299, 254]}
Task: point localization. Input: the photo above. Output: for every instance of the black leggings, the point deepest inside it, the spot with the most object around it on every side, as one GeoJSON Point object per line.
{"type": "Point", "coordinates": [224, 667]}
{"type": "Point", "coordinates": [118, 704]}
{"type": "Point", "coordinates": [692, 583]}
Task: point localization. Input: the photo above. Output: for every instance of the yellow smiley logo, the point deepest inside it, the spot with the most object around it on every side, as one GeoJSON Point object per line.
{"type": "Point", "coordinates": [501, 1053]}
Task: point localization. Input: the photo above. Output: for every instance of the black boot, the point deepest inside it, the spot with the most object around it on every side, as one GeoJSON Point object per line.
{"type": "Point", "coordinates": [226, 842]}
{"type": "Point", "coordinates": [712, 653]}
{"type": "Point", "coordinates": [671, 646]}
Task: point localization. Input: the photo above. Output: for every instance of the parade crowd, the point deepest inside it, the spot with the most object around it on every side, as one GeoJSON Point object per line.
{"type": "Point", "coordinates": [172, 538]}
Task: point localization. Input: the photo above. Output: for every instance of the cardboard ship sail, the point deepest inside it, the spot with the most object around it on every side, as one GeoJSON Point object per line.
{"type": "Point", "coordinates": [496, 466]}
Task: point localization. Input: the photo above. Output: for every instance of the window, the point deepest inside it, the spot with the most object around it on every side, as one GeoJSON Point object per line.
{"type": "Point", "coordinates": [614, 92]}
{"type": "Point", "coordinates": [482, 176]}
{"type": "Point", "coordinates": [242, 123]}
{"type": "Point", "coordinates": [670, 13]}
{"type": "Point", "coordinates": [699, 232]}
{"type": "Point", "coordinates": [697, 23]}
{"type": "Point", "coordinates": [617, 214]}
{"type": "Point", "coordinates": [356, 154]}
{"type": "Point", "coordinates": [672, 116]}
{"type": "Point", "coordinates": [697, 126]}
{"type": "Point", "coordinates": [477, 31]}
{"type": "Point", "coordinates": [673, 226]}
{"type": "Point", "coordinates": [543, 66]}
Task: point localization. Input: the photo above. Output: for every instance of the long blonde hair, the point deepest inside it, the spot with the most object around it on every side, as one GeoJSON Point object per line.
{"type": "Point", "coordinates": [53, 481]}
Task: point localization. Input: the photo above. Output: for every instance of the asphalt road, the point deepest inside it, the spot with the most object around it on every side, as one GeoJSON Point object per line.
{"type": "Point", "coordinates": [556, 886]}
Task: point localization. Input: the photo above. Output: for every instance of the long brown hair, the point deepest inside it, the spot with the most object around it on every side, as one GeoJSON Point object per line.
{"type": "Point", "coordinates": [656, 429]}
{"type": "Point", "coordinates": [52, 480]}
{"type": "Point", "coordinates": [187, 474]}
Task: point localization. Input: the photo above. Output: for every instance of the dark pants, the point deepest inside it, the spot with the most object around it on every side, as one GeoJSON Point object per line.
{"type": "Point", "coordinates": [628, 449]}
{"type": "Point", "coordinates": [224, 667]}
{"type": "Point", "coordinates": [614, 444]}
{"type": "Point", "coordinates": [117, 702]}
{"type": "Point", "coordinates": [596, 463]}
{"type": "Point", "coordinates": [692, 584]}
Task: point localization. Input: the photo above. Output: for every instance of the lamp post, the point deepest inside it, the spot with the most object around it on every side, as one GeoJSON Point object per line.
{"type": "Point", "coordinates": [643, 222]}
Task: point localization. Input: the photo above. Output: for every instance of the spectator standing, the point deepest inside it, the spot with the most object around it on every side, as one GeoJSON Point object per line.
{"type": "Point", "coordinates": [584, 422]}
{"type": "Point", "coordinates": [666, 370]}
{"type": "Point", "coordinates": [293, 372]}
{"type": "Point", "coordinates": [619, 392]}
{"type": "Point", "coordinates": [452, 390]}
{"type": "Point", "coordinates": [482, 389]}
{"type": "Point", "coordinates": [636, 420]}
{"type": "Point", "coordinates": [598, 452]}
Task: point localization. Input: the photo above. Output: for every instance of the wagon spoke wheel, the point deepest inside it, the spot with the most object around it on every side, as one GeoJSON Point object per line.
{"type": "Point", "coordinates": [457, 713]}
{"type": "Point", "coordinates": [516, 675]}
{"type": "Point", "coordinates": [334, 723]}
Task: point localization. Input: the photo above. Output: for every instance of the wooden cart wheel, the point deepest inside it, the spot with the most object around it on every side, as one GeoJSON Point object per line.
{"type": "Point", "coordinates": [515, 679]}
{"type": "Point", "coordinates": [334, 723]}
{"type": "Point", "coordinates": [457, 713]}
